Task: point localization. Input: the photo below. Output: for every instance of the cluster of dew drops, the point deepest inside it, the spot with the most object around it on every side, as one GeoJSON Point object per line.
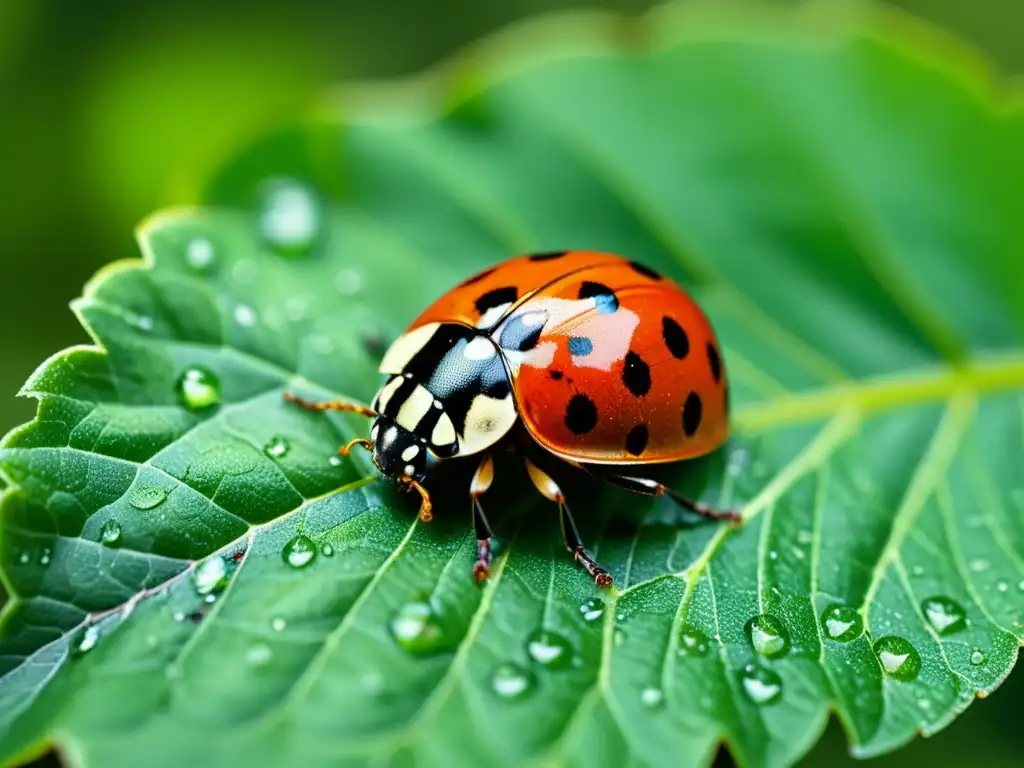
{"type": "Point", "coordinates": [289, 220]}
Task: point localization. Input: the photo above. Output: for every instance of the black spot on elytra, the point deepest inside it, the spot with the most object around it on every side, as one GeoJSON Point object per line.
{"type": "Point", "coordinates": [636, 374]}
{"type": "Point", "coordinates": [715, 361]}
{"type": "Point", "coordinates": [636, 440]}
{"type": "Point", "coordinates": [603, 296]}
{"type": "Point", "coordinates": [580, 346]}
{"type": "Point", "coordinates": [556, 375]}
{"type": "Point", "coordinates": [692, 412]}
{"type": "Point", "coordinates": [547, 255]}
{"type": "Point", "coordinates": [496, 298]}
{"type": "Point", "coordinates": [521, 336]}
{"type": "Point", "coordinates": [644, 270]}
{"type": "Point", "coordinates": [675, 338]}
{"type": "Point", "coordinates": [477, 277]}
{"type": "Point", "coordinates": [580, 414]}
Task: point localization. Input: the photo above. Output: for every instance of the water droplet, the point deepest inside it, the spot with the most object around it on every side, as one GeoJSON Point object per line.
{"type": "Point", "coordinates": [917, 570]}
{"type": "Point", "coordinates": [1002, 586]}
{"type": "Point", "coordinates": [88, 640]}
{"type": "Point", "coordinates": [147, 497]}
{"type": "Point", "coordinates": [44, 559]}
{"type": "Point", "coordinates": [842, 623]}
{"type": "Point", "coordinates": [924, 704]}
{"type": "Point", "coordinates": [738, 461]}
{"type": "Point", "coordinates": [259, 655]}
{"type": "Point", "coordinates": [299, 552]}
{"type": "Point", "coordinates": [278, 624]}
{"type": "Point", "coordinates": [334, 460]}
{"type": "Point", "coordinates": [349, 281]}
{"type": "Point", "coordinates": [978, 657]}
{"type": "Point", "coordinates": [761, 686]}
{"type": "Point", "coordinates": [328, 550]}
{"type": "Point", "coordinates": [797, 552]}
{"type": "Point", "coordinates": [978, 564]}
{"type": "Point", "coordinates": [142, 322]}
{"type": "Point", "coordinates": [768, 636]}
{"type": "Point", "coordinates": [179, 615]}
{"type": "Point", "coordinates": [210, 576]}
{"type": "Point", "coordinates": [110, 534]}
{"type": "Point", "coordinates": [416, 629]}
{"type": "Point", "coordinates": [619, 636]}
{"type": "Point", "coordinates": [946, 616]}
{"type": "Point", "coordinates": [198, 389]}
{"type": "Point", "coordinates": [652, 698]}
{"type": "Point", "coordinates": [592, 609]}
{"type": "Point", "coordinates": [805, 536]}
{"type": "Point", "coordinates": [898, 657]}
{"type": "Point", "coordinates": [211, 598]}
{"type": "Point", "coordinates": [199, 254]}
{"type": "Point", "coordinates": [1020, 585]}
{"type": "Point", "coordinates": [23, 558]}
{"type": "Point", "coordinates": [693, 642]}
{"type": "Point", "coordinates": [289, 217]}
{"type": "Point", "coordinates": [245, 315]}
{"type": "Point", "coordinates": [276, 447]}
{"type": "Point", "coordinates": [511, 681]}
{"type": "Point", "coordinates": [773, 555]}
{"type": "Point", "coordinates": [549, 649]}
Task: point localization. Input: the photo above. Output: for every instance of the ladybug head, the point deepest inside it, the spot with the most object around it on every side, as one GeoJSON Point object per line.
{"type": "Point", "coordinates": [397, 452]}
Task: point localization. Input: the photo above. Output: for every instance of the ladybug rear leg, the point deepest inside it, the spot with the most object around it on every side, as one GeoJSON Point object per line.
{"type": "Point", "coordinates": [548, 488]}
{"type": "Point", "coordinates": [482, 480]}
{"type": "Point", "coordinates": [649, 487]}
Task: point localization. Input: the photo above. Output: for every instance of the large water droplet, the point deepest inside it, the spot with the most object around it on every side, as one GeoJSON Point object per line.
{"type": "Point", "coordinates": [693, 642]}
{"type": "Point", "coordinates": [198, 389]}
{"type": "Point", "coordinates": [768, 636]}
{"type": "Point", "coordinates": [842, 623]}
{"type": "Point", "coordinates": [199, 254]}
{"type": "Point", "coordinates": [210, 576]}
{"type": "Point", "coordinates": [110, 534]}
{"type": "Point", "coordinates": [945, 615]}
{"type": "Point", "coordinates": [299, 552]}
{"type": "Point", "coordinates": [592, 609]}
{"type": "Point", "coordinates": [652, 698]}
{"type": "Point", "coordinates": [761, 686]}
{"type": "Point", "coordinates": [978, 657]}
{"type": "Point", "coordinates": [416, 629]}
{"type": "Point", "coordinates": [549, 649]}
{"type": "Point", "coordinates": [147, 497]}
{"type": "Point", "coordinates": [259, 655]}
{"type": "Point", "coordinates": [511, 682]}
{"type": "Point", "coordinates": [276, 447]}
{"type": "Point", "coordinates": [898, 657]}
{"type": "Point", "coordinates": [289, 217]}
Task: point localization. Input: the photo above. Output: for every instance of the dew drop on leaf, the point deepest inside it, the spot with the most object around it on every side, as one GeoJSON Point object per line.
{"type": "Point", "coordinates": [299, 552]}
{"type": "Point", "coordinates": [899, 659]}
{"type": "Point", "coordinates": [198, 389]}
{"type": "Point", "coordinates": [276, 447]}
{"type": "Point", "coordinates": [24, 557]}
{"type": "Point", "coordinates": [592, 609]}
{"type": "Point", "coordinates": [87, 641]}
{"type": "Point", "coordinates": [416, 629]}
{"type": "Point", "coordinates": [44, 559]}
{"type": "Point", "coordinates": [652, 698]}
{"type": "Point", "coordinates": [334, 460]}
{"type": "Point", "coordinates": [511, 681]}
{"type": "Point", "coordinates": [349, 281]}
{"type": "Point", "coordinates": [110, 534]}
{"type": "Point", "coordinates": [549, 649]}
{"type": "Point", "coordinates": [258, 655]}
{"type": "Point", "coordinates": [289, 217]}
{"type": "Point", "coordinates": [978, 564]}
{"type": "Point", "coordinates": [245, 315]}
{"type": "Point", "coordinates": [760, 685]}
{"type": "Point", "coordinates": [327, 550]}
{"type": "Point", "coordinates": [278, 624]}
{"type": "Point", "coordinates": [978, 657]}
{"type": "Point", "coordinates": [946, 616]}
{"type": "Point", "coordinates": [199, 254]}
{"type": "Point", "coordinates": [842, 623]}
{"type": "Point", "coordinates": [210, 576]}
{"type": "Point", "coordinates": [693, 642]}
{"type": "Point", "coordinates": [147, 497]}
{"type": "Point", "coordinates": [768, 636]}
{"type": "Point", "coordinates": [1002, 586]}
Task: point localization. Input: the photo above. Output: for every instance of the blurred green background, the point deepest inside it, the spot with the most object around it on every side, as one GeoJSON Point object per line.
{"type": "Point", "coordinates": [107, 108]}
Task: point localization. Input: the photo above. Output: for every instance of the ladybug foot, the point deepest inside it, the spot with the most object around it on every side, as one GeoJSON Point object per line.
{"type": "Point", "coordinates": [482, 566]}
{"type": "Point", "coordinates": [597, 572]}
{"type": "Point", "coordinates": [481, 572]}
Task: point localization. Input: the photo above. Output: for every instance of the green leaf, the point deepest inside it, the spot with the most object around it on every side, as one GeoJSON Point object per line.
{"type": "Point", "coordinates": [198, 578]}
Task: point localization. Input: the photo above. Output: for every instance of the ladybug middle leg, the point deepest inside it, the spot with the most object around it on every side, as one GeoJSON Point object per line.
{"type": "Point", "coordinates": [548, 488]}
{"type": "Point", "coordinates": [482, 480]}
{"type": "Point", "coordinates": [649, 487]}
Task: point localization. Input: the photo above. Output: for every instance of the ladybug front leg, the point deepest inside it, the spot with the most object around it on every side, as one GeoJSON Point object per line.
{"type": "Point", "coordinates": [482, 480]}
{"type": "Point", "coordinates": [547, 486]}
{"type": "Point", "coordinates": [649, 487]}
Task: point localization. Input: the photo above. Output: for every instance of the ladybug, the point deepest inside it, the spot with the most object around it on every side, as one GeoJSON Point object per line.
{"type": "Point", "coordinates": [595, 359]}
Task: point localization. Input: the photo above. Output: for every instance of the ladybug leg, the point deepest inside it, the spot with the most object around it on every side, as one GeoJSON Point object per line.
{"type": "Point", "coordinates": [649, 487]}
{"type": "Point", "coordinates": [548, 488]}
{"type": "Point", "coordinates": [481, 482]}
{"type": "Point", "coordinates": [332, 405]}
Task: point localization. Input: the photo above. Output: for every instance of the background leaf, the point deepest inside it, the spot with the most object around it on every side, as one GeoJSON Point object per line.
{"type": "Point", "coordinates": [838, 199]}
